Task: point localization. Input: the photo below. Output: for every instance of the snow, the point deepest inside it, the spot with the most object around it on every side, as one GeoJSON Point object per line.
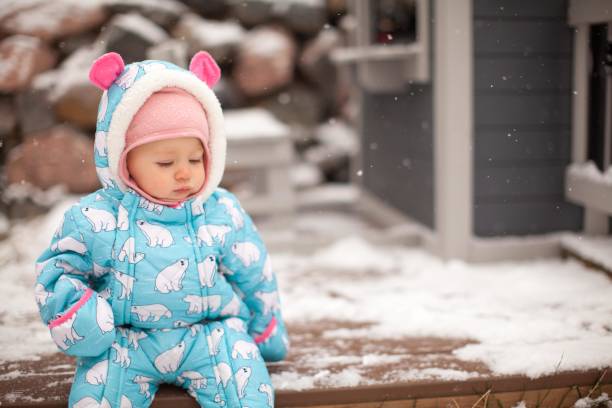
{"type": "Point", "coordinates": [22, 55]}
{"type": "Point", "coordinates": [590, 171]}
{"type": "Point", "coordinates": [587, 402]}
{"type": "Point", "coordinates": [214, 33]}
{"type": "Point", "coordinates": [597, 249]}
{"type": "Point", "coordinates": [253, 123]}
{"type": "Point", "coordinates": [531, 318]}
{"type": "Point", "coordinates": [136, 23]}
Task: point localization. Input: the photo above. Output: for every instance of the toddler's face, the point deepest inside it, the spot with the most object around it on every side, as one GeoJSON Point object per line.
{"type": "Point", "coordinates": [170, 169]}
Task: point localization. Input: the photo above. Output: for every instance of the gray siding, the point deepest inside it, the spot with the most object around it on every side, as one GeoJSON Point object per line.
{"type": "Point", "coordinates": [522, 117]}
{"type": "Point", "coordinates": [397, 148]}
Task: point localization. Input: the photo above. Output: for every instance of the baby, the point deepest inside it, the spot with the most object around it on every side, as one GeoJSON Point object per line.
{"type": "Point", "coordinates": [160, 276]}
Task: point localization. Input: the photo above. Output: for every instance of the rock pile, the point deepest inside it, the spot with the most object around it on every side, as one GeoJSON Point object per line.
{"type": "Point", "coordinates": [274, 55]}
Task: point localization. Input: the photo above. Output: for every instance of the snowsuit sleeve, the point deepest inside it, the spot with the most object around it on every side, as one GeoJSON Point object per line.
{"type": "Point", "coordinates": [247, 266]}
{"type": "Point", "coordinates": [80, 321]}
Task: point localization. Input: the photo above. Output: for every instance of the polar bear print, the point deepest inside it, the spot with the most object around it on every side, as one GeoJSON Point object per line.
{"type": "Point", "coordinates": [245, 350]}
{"type": "Point", "coordinates": [96, 375]}
{"type": "Point", "coordinates": [180, 324]}
{"type": "Point", "coordinates": [197, 208]}
{"type": "Point", "coordinates": [234, 212]}
{"type": "Point", "coordinates": [171, 277]}
{"type": "Point", "coordinates": [123, 221]}
{"type": "Point", "coordinates": [247, 252]}
{"type": "Point", "coordinates": [127, 79]}
{"type": "Point", "coordinates": [89, 402]}
{"type": "Point", "coordinates": [194, 329]}
{"type": "Point", "coordinates": [40, 267]}
{"type": "Point", "coordinates": [197, 380]}
{"type": "Point", "coordinates": [123, 356]}
{"type": "Point", "coordinates": [128, 251]}
{"type": "Point", "coordinates": [154, 312]}
{"type": "Point", "coordinates": [150, 206]}
{"type": "Point", "coordinates": [218, 232]}
{"type": "Point", "coordinates": [207, 271]}
{"type": "Point", "coordinates": [232, 308]}
{"type": "Point", "coordinates": [76, 284]}
{"type": "Point", "coordinates": [106, 293]}
{"type": "Point", "coordinates": [103, 106]}
{"type": "Point", "coordinates": [197, 304]}
{"type": "Point", "coordinates": [127, 284]}
{"type": "Point", "coordinates": [213, 340]}
{"type": "Point", "coordinates": [100, 220]}
{"type": "Point", "coordinates": [219, 401]}
{"type": "Point", "coordinates": [67, 244]}
{"type": "Point", "coordinates": [236, 324]}
{"type": "Point", "coordinates": [225, 270]}
{"type": "Point", "coordinates": [125, 402]}
{"type": "Point", "coordinates": [106, 178]}
{"type": "Point", "coordinates": [267, 274]}
{"type": "Point", "coordinates": [169, 360]}
{"type": "Point", "coordinates": [99, 270]}
{"type": "Point", "coordinates": [242, 378]}
{"type": "Point", "coordinates": [223, 373]}
{"type": "Point", "coordinates": [270, 301]}
{"type": "Point", "coordinates": [152, 67]}
{"type": "Point", "coordinates": [133, 337]}
{"type": "Point", "coordinates": [203, 236]}
{"type": "Point", "coordinates": [100, 143]}
{"type": "Point", "coordinates": [104, 315]}
{"type": "Point", "coordinates": [156, 234]}
{"type": "Point", "coordinates": [68, 268]}
{"type": "Point", "coordinates": [41, 294]}
{"type": "Point", "coordinates": [144, 382]}
{"type": "Point", "coordinates": [64, 332]}
{"type": "Point", "coordinates": [267, 389]}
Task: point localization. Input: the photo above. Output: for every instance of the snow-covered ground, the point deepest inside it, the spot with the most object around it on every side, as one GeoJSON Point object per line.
{"type": "Point", "coordinates": [529, 318]}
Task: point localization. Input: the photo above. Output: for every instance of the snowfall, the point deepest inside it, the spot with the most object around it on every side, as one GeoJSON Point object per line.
{"type": "Point", "coordinates": [531, 318]}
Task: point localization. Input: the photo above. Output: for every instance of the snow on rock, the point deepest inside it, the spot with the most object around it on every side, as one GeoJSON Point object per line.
{"type": "Point", "coordinates": [597, 249]}
{"type": "Point", "coordinates": [587, 402]}
{"type": "Point", "coordinates": [252, 123]}
{"type": "Point", "coordinates": [590, 171]}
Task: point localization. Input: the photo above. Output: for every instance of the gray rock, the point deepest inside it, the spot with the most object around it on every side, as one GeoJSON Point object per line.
{"type": "Point", "coordinates": [161, 12]}
{"type": "Point", "coordinates": [209, 8]}
{"type": "Point", "coordinates": [174, 51]}
{"type": "Point", "coordinates": [34, 111]}
{"type": "Point", "coordinates": [21, 58]}
{"type": "Point", "coordinates": [299, 104]}
{"type": "Point", "coordinates": [229, 95]}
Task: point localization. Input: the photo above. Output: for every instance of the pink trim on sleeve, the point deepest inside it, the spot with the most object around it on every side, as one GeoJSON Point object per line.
{"type": "Point", "coordinates": [72, 310]}
{"type": "Point", "coordinates": [268, 332]}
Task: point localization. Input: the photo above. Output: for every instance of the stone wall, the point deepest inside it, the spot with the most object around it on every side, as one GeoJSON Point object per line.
{"type": "Point", "coordinates": [272, 54]}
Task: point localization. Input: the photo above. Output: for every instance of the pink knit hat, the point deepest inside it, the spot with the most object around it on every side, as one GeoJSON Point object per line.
{"type": "Point", "coordinates": [167, 114]}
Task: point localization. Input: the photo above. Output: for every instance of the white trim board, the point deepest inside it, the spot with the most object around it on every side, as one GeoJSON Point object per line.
{"type": "Point", "coordinates": [453, 126]}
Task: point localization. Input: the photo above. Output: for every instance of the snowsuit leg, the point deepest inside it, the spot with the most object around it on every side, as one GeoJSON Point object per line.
{"type": "Point", "coordinates": [227, 368]}
{"type": "Point", "coordinates": [123, 376]}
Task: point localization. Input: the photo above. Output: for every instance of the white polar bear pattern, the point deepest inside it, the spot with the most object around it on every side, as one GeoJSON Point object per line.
{"type": "Point", "coordinates": [242, 378]}
{"type": "Point", "coordinates": [89, 402]}
{"type": "Point", "coordinates": [150, 206]}
{"type": "Point", "coordinates": [103, 106]}
{"type": "Point", "coordinates": [105, 176]}
{"type": "Point", "coordinates": [96, 375]}
{"type": "Point", "coordinates": [155, 312]}
{"type": "Point", "coordinates": [123, 221]}
{"type": "Point", "coordinates": [128, 251]}
{"type": "Point", "coordinates": [60, 263]}
{"type": "Point", "coordinates": [104, 315]}
{"type": "Point", "coordinates": [169, 360]}
{"type": "Point", "coordinates": [245, 350]}
{"type": "Point", "coordinates": [144, 383]}
{"type": "Point", "coordinates": [197, 304]}
{"type": "Point", "coordinates": [267, 389]}
{"type": "Point", "coordinates": [99, 271]}
{"type": "Point", "coordinates": [232, 308]}
{"type": "Point", "coordinates": [236, 324]}
{"type": "Point", "coordinates": [267, 273]}
{"type": "Point", "coordinates": [207, 271]}
{"type": "Point", "coordinates": [100, 220]}
{"type": "Point", "coordinates": [64, 332]}
{"type": "Point", "coordinates": [68, 244]}
{"type": "Point", "coordinates": [203, 236]}
{"type": "Point", "coordinates": [213, 340]}
{"type": "Point", "coordinates": [218, 232]}
{"type": "Point", "coordinates": [197, 380]}
{"type": "Point", "coordinates": [247, 252]}
{"type": "Point", "coordinates": [171, 277]}
{"type": "Point", "coordinates": [269, 300]}
{"type": "Point", "coordinates": [156, 234]}
{"type": "Point", "coordinates": [127, 79]}
{"type": "Point", "coordinates": [223, 373]}
{"type": "Point", "coordinates": [41, 294]}
{"type": "Point", "coordinates": [100, 143]}
{"type": "Point", "coordinates": [132, 336]}
{"type": "Point", "coordinates": [234, 212]}
{"type": "Point", "coordinates": [127, 284]}
{"type": "Point", "coordinates": [125, 402]}
{"type": "Point", "coordinates": [123, 356]}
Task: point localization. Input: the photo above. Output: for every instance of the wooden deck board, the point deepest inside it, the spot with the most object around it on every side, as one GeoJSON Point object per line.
{"type": "Point", "coordinates": [46, 382]}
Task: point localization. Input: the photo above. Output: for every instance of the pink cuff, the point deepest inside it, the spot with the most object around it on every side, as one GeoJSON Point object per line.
{"type": "Point", "coordinates": [72, 310]}
{"type": "Point", "coordinates": [268, 332]}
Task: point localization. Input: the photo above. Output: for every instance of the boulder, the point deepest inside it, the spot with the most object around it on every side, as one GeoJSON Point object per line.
{"type": "Point", "coordinates": [210, 8]}
{"type": "Point", "coordinates": [78, 104]}
{"type": "Point", "coordinates": [131, 35]}
{"type": "Point", "coordinates": [58, 156]}
{"type": "Point", "coordinates": [21, 58]}
{"type": "Point", "coordinates": [51, 20]}
{"type": "Point", "coordinates": [229, 95]}
{"type": "Point", "coordinates": [8, 122]}
{"type": "Point", "coordinates": [303, 17]}
{"type": "Point", "coordinates": [34, 111]}
{"type": "Point", "coordinates": [253, 12]}
{"type": "Point", "coordinates": [265, 61]}
{"type": "Point", "coordinates": [174, 51]}
{"type": "Point", "coordinates": [164, 13]}
{"type": "Point", "coordinates": [219, 38]}
{"type": "Point", "coordinates": [298, 104]}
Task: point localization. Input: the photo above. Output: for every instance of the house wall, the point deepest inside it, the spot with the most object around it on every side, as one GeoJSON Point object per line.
{"type": "Point", "coordinates": [522, 117]}
{"type": "Point", "coordinates": [397, 149]}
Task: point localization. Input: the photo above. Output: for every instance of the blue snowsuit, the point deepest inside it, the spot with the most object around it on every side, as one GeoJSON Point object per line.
{"type": "Point", "coordinates": [144, 293]}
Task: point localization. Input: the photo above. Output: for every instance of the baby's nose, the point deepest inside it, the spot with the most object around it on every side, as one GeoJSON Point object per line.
{"type": "Point", "coordinates": [183, 173]}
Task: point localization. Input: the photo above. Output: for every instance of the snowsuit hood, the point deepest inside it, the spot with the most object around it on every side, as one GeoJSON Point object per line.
{"type": "Point", "coordinates": [127, 88]}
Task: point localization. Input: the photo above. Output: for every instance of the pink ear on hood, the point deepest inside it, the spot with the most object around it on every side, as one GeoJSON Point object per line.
{"type": "Point", "coordinates": [105, 70]}
{"type": "Point", "coordinates": [205, 68]}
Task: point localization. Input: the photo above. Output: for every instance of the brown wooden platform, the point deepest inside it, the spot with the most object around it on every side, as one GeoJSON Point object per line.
{"type": "Point", "coordinates": [46, 383]}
